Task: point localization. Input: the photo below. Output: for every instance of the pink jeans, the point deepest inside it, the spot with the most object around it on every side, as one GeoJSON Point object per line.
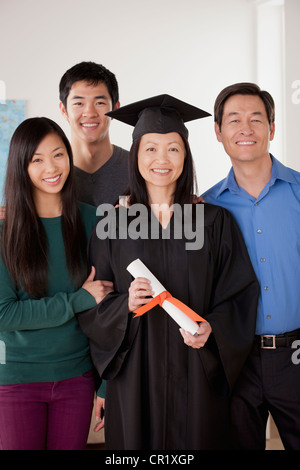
{"type": "Point", "coordinates": [48, 415]}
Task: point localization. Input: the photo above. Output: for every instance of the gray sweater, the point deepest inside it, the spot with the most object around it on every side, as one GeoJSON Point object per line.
{"type": "Point", "coordinates": [107, 183]}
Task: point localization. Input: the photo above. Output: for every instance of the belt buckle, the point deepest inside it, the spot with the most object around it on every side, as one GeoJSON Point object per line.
{"type": "Point", "coordinates": [267, 337]}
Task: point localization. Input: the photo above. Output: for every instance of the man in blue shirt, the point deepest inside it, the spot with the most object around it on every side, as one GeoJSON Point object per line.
{"type": "Point", "coordinates": [264, 197]}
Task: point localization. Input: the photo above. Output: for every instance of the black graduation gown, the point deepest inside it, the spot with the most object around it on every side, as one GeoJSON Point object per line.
{"type": "Point", "coordinates": [161, 393]}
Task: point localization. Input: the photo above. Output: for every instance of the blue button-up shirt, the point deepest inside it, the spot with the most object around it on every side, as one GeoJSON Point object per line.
{"type": "Point", "coordinates": [271, 228]}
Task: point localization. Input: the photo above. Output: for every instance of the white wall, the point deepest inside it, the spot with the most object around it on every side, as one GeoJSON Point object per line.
{"type": "Point", "coordinates": [270, 60]}
{"type": "Point", "coordinates": [191, 49]}
{"type": "Point", "coordinates": [292, 82]}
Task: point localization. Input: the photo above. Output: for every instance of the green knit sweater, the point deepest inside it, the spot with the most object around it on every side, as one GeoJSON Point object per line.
{"type": "Point", "coordinates": [42, 339]}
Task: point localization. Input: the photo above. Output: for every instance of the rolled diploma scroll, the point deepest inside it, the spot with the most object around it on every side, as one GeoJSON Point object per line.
{"type": "Point", "coordinates": [138, 269]}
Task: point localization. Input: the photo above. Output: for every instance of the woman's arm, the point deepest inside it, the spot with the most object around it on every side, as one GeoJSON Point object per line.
{"type": "Point", "coordinates": [47, 312]}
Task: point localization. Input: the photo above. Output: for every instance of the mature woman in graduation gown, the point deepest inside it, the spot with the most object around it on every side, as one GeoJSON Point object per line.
{"type": "Point", "coordinates": [168, 389]}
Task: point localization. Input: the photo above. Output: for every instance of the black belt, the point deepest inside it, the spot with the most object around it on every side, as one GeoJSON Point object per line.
{"type": "Point", "coordinates": [277, 341]}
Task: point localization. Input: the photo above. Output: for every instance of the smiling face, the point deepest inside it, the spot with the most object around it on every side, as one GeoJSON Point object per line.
{"type": "Point", "coordinates": [245, 132]}
{"type": "Point", "coordinates": [85, 111]}
{"type": "Point", "coordinates": [161, 160]}
{"type": "Point", "coordinates": [49, 167]}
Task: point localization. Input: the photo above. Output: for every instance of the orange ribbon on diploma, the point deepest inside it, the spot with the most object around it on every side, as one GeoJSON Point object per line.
{"type": "Point", "coordinates": [159, 300]}
{"type": "Point", "coordinates": [181, 313]}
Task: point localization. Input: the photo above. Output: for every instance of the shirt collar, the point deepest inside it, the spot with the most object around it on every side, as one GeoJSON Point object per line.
{"type": "Point", "coordinates": [279, 171]}
{"type": "Point", "coordinates": [228, 183]}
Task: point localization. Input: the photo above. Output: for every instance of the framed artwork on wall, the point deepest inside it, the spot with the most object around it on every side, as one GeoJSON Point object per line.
{"type": "Point", "coordinates": [12, 113]}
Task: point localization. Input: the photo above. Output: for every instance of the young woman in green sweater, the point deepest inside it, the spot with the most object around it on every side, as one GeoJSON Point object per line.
{"type": "Point", "coordinates": [46, 379]}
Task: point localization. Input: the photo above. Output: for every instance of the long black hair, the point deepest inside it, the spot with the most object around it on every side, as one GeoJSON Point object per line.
{"type": "Point", "coordinates": [186, 184]}
{"type": "Point", "coordinates": [24, 243]}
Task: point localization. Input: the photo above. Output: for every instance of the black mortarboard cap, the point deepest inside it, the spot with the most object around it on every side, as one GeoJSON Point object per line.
{"type": "Point", "coordinates": [159, 114]}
